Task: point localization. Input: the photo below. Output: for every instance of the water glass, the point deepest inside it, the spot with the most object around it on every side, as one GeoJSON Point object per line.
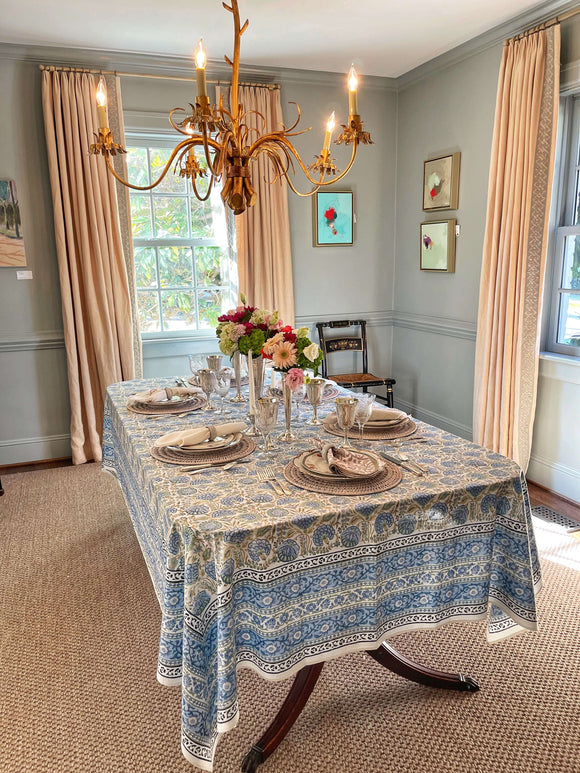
{"type": "Point", "coordinates": [363, 412]}
{"type": "Point", "coordinates": [345, 413]}
{"type": "Point", "coordinates": [196, 363]}
{"type": "Point", "coordinates": [315, 390]}
{"type": "Point", "coordinates": [266, 419]}
{"type": "Point", "coordinates": [208, 383]}
{"type": "Point", "coordinates": [223, 381]}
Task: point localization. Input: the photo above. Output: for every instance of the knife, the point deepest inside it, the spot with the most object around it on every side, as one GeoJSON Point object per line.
{"type": "Point", "coordinates": [405, 465]}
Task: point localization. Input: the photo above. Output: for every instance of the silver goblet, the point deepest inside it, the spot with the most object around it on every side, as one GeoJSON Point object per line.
{"type": "Point", "coordinates": [345, 416]}
{"type": "Point", "coordinates": [207, 381]}
{"type": "Point", "coordinates": [214, 361]}
{"type": "Point", "coordinates": [315, 391]}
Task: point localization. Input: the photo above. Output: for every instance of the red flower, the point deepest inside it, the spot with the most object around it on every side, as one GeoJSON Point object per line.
{"type": "Point", "coordinates": [330, 214]}
{"type": "Point", "coordinates": [266, 356]}
{"type": "Point", "coordinates": [432, 193]}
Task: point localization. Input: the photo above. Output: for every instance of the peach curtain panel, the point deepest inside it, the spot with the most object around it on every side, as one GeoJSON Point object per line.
{"type": "Point", "coordinates": [263, 231]}
{"type": "Point", "coordinates": [93, 276]}
{"type": "Point", "coordinates": [514, 252]}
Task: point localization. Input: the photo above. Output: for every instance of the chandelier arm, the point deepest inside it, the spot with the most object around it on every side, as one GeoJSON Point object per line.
{"type": "Point", "coordinates": [209, 187]}
{"type": "Point", "coordinates": [164, 171]}
{"type": "Point", "coordinates": [207, 141]}
{"type": "Point", "coordinates": [282, 140]}
{"type": "Point", "coordinates": [297, 192]}
{"type": "Point", "coordinates": [174, 125]}
{"type": "Point", "coordinates": [320, 183]}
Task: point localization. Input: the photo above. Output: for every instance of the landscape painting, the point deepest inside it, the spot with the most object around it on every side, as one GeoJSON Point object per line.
{"type": "Point", "coordinates": [11, 240]}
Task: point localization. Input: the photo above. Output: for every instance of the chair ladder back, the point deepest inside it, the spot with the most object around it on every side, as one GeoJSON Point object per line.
{"type": "Point", "coordinates": [344, 343]}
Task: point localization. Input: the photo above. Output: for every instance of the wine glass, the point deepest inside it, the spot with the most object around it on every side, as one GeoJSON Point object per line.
{"type": "Point", "coordinates": [208, 383]}
{"type": "Point", "coordinates": [345, 413]}
{"type": "Point", "coordinates": [315, 390]}
{"type": "Point", "coordinates": [298, 396]}
{"type": "Point", "coordinates": [363, 412]}
{"type": "Point", "coordinates": [266, 418]}
{"type": "Point", "coordinates": [195, 364]}
{"type": "Point", "coordinates": [223, 381]}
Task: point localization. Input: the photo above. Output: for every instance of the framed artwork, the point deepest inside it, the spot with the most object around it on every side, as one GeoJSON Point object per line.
{"type": "Point", "coordinates": [437, 251]}
{"type": "Point", "coordinates": [441, 183]}
{"type": "Point", "coordinates": [333, 218]}
{"type": "Point", "coordinates": [11, 241]}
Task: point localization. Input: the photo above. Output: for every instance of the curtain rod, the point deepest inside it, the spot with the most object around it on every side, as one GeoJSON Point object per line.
{"type": "Point", "coordinates": [547, 24]}
{"type": "Point", "coordinates": [53, 68]}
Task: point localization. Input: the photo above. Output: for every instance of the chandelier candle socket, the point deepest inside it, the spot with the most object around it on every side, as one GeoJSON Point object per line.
{"type": "Point", "coordinates": [230, 147]}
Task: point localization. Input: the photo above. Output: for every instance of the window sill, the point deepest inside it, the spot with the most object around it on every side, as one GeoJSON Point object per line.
{"type": "Point", "coordinates": [561, 367]}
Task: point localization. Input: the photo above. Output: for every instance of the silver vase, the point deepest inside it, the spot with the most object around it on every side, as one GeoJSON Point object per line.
{"type": "Point", "coordinates": [237, 362]}
{"type": "Point", "coordinates": [287, 436]}
{"type": "Point", "coordinates": [256, 373]}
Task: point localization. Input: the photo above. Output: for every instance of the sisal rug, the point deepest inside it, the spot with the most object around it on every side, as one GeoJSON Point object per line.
{"type": "Point", "coordinates": [79, 629]}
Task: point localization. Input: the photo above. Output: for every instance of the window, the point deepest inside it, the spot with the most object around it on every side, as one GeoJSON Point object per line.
{"type": "Point", "coordinates": [564, 324]}
{"type": "Point", "coordinates": [184, 271]}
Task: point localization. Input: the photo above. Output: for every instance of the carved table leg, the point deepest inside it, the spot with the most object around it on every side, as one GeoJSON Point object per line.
{"type": "Point", "coordinates": [289, 712]}
{"type": "Point", "coordinates": [389, 657]}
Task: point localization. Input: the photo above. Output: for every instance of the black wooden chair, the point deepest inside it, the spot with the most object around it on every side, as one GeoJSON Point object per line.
{"type": "Point", "coordinates": [352, 343]}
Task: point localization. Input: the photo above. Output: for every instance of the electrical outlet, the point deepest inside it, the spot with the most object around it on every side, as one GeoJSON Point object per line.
{"type": "Point", "coordinates": [24, 275]}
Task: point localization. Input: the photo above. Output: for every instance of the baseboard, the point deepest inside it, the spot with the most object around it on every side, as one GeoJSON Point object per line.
{"type": "Point", "coordinates": [556, 477]}
{"type": "Point", "coordinates": [436, 419]}
{"type": "Point", "coordinates": [33, 449]}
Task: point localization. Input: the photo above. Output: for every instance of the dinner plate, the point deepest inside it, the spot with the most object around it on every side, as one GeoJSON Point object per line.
{"type": "Point", "coordinates": [220, 441]}
{"type": "Point", "coordinates": [312, 463]}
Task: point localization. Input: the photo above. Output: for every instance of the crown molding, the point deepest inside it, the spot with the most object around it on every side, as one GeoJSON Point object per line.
{"type": "Point", "coordinates": [146, 64]}
{"type": "Point", "coordinates": [537, 15]}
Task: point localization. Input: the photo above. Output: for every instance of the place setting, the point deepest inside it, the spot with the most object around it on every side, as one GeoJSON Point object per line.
{"type": "Point", "coordinates": [329, 468]}
{"type": "Point", "coordinates": [167, 401]}
{"type": "Point", "coordinates": [213, 445]}
{"type": "Point", "coordinates": [373, 422]}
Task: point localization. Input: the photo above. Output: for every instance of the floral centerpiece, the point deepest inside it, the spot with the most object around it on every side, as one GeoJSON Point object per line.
{"type": "Point", "coordinates": [245, 328]}
{"type": "Point", "coordinates": [291, 351]}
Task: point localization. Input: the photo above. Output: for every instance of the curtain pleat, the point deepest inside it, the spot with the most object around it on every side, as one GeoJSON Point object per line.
{"type": "Point", "coordinates": [93, 277]}
{"type": "Point", "coordinates": [514, 252]}
{"type": "Point", "coordinates": [263, 231]}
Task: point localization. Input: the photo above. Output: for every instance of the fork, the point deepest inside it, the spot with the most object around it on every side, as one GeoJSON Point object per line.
{"type": "Point", "coordinates": [268, 475]}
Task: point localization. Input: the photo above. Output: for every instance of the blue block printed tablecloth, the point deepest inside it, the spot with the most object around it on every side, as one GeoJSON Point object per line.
{"type": "Point", "coordinates": [246, 578]}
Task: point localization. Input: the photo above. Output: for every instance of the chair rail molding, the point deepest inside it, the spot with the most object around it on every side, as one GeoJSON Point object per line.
{"type": "Point", "coordinates": [456, 328]}
{"type": "Point", "coordinates": [43, 339]}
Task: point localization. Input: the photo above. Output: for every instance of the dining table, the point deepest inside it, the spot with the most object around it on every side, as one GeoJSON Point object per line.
{"type": "Point", "coordinates": [249, 574]}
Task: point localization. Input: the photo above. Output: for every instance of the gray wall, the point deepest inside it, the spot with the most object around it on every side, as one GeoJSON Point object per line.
{"type": "Point", "coordinates": [34, 413]}
{"type": "Point", "coordinates": [435, 314]}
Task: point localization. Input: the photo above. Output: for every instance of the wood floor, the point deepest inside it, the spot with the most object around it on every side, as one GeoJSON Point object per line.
{"type": "Point", "coordinates": [538, 494]}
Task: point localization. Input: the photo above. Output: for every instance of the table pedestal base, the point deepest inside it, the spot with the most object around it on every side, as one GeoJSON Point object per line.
{"type": "Point", "coordinates": [306, 679]}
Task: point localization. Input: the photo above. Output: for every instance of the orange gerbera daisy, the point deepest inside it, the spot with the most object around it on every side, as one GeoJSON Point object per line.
{"type": "Point", "coordinates": [284, 356]}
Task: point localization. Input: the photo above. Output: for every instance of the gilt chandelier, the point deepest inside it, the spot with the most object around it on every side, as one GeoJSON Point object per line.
{"type": "Point", "coordinates": [229, 145]}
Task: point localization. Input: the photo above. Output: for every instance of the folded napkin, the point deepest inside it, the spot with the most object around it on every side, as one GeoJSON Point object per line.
{"type": "Point", "coordinates": [163, 395]}
{"type": "Point", "coordinates": [382, 413]}
{"type": "Point", "coordinates": [195, 435]}
{"type": "Point", "coordinates": [347, 462]}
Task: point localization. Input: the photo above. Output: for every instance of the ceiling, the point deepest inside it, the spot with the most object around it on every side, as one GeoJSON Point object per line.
{"type": "Point", "coordinates": [382, 37]}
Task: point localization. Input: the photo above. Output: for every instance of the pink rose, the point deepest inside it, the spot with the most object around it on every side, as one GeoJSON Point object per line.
{"type": "Point", "coordinates": [295, 378]}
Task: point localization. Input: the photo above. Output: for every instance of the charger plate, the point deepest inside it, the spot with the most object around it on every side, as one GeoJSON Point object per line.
{"type": "Point", "coordinates": [171, 407]}
{"type": "Point", "coordinates": [404, 429]}
{"type": "Point", "coordinates": [175, 455]}
{"type": "Point", "coordinates": [388, 478]}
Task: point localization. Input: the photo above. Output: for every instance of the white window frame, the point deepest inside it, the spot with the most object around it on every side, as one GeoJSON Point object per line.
{"type": "Point", "coordinates": [565, 201]}
{"type": "Point", "coordinates": [150, 139]}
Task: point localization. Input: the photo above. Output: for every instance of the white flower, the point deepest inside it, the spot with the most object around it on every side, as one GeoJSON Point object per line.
{"type": "Point", "coordinates": [301, 332]}
{"type": "Point", "coordinates": [258, 317]}
{"type": "Point", "coordinates": [311, 352]}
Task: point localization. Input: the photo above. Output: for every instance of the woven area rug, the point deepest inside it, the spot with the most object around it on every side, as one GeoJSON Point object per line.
{"type": "Point", "coordinates": [79, 626]}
